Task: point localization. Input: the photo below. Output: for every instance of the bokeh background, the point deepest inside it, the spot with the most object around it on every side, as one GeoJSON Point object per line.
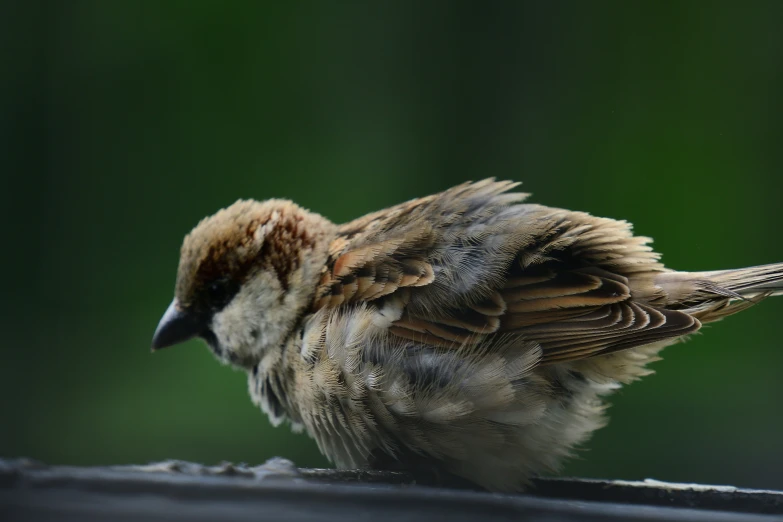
{"type": "Point", "coordinates": [124, 123]}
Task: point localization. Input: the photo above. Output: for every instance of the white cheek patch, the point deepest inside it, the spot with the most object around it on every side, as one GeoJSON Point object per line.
{"type": "Point", "coordinates": [253, 320]}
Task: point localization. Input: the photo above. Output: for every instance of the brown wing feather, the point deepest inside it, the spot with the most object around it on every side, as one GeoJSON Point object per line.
{"type": "Point", "coordinates": [478, 263]}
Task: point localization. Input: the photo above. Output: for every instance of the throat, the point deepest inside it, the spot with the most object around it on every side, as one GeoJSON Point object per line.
{"type": "Point", "coordinates": [271, 392]}
{"type": "Point", "coordinates": [209, 337]}
{"type": "Point", "coordinates": [270, 380]}
{"type": "Point", "coordinates": [234, 358]}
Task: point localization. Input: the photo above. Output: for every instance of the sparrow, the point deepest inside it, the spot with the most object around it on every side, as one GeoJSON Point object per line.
{"type": "Point", "coordinates": [468, 333]}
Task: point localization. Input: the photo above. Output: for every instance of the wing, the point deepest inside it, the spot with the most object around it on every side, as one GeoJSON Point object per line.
{"type": "Point", "coordinates": [475, 261]}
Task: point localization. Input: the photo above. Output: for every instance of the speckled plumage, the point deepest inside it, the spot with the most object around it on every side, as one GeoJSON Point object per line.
{"type": "Point", "coordinates": [467, 331]}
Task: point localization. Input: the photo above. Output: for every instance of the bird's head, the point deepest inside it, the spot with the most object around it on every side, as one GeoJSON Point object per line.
{"type": "Point", "coordinates": [246, 274]}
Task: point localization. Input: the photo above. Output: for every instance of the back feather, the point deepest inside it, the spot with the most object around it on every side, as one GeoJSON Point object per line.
{"type": "Point", "coordinates": [457, 268]}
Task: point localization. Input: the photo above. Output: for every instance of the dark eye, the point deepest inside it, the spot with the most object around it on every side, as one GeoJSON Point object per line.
{"type": "Point", "coordinates": [216, 291]}
{"type": "Point", "coordinates": [219, 293]}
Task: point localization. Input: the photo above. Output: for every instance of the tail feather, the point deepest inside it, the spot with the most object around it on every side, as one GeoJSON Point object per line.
{"type": "Point", "coordinates": [748, 282]}
{"type": "Point", "coordinates": [710, 296]}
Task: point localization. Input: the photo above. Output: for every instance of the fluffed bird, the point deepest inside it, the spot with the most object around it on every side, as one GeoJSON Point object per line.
{"type": "Point", "coordinates": [468, 332]}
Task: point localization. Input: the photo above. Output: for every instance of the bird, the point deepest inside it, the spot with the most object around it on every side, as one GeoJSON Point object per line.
{"type": "Point", "coordinates": [467, 334]}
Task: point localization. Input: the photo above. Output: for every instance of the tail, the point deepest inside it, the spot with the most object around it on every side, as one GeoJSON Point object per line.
{"type": "Point", "coordinates": [710, 296]}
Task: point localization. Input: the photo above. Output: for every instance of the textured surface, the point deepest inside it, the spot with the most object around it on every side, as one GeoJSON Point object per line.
{"type": "Point", "coordinates": [278, 491]}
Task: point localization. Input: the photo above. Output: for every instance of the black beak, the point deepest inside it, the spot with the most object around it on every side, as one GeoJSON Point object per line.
{"type": "Point", "coordinates": [175, 327]}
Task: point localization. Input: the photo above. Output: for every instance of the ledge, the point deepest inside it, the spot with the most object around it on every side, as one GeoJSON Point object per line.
{"type": "Point", "coordinates": [277, 490]}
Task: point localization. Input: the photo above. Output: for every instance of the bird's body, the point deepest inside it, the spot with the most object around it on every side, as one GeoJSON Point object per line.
{"type": "Point", "coordinates": [467, 331]}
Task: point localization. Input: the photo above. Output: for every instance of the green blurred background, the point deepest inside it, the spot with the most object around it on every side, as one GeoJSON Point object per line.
{"type": "Point", "coordinates": [124, 123]}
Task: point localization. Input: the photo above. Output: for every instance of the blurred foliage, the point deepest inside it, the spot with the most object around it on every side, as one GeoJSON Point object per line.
{"type": "Point", "coordinates": [124, 123]}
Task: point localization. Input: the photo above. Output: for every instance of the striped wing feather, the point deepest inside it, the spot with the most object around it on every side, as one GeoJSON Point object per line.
{"type": "Point", "coordinates": [473, 262]}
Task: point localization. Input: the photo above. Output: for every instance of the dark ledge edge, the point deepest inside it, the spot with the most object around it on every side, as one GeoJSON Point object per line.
{"type": "Point", "coordinates": [29, 488]}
